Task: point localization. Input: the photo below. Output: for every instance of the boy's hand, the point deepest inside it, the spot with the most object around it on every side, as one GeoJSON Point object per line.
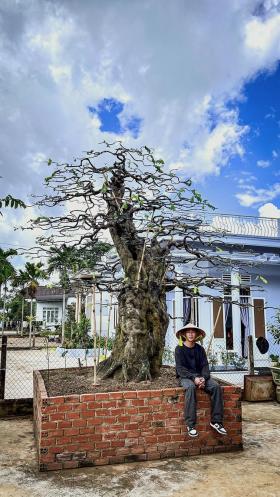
{"type": "Point", "coordinates": [199, 382]}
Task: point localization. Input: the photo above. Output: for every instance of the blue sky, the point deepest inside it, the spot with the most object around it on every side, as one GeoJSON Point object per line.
{"type": "Point", "coordinates": [258, 108]}
{"type": "Point", "coordinates": [196, 81]}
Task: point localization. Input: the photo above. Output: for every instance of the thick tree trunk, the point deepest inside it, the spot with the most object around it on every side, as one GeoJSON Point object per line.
{"type": "Point", "coordinates": [143, 319]}
{"type": "Point", "coordinates": [140, 336]}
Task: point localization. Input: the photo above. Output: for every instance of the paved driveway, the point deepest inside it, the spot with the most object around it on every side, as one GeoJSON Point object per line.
{"type": "Point", "coordinates": [255, 472]}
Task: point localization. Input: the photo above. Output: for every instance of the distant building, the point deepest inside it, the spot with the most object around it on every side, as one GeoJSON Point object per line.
{"type": "Point", "coordinates": [49, 306]}
{"type": "Point", "coordinates": [245, 310]}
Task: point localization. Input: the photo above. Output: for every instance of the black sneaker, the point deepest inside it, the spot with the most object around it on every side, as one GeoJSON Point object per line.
{"type": "Point", "coordinates": [219, 428]}
{"type": "Point", "coordinates": [192, 431]}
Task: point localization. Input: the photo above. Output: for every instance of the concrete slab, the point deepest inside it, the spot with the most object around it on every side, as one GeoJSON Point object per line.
{"type": "Point", "coordinates": [252, 473]}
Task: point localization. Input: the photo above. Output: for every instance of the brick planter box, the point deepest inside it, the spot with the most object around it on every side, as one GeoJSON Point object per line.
{"type": "Point", "coordinates": [118, 427]}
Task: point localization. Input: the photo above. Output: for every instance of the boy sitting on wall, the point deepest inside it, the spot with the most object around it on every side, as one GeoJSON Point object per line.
{"type": "Point", "coordinates": [192, 369]}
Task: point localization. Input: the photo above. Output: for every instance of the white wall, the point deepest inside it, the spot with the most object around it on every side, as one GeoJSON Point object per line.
{"type": "Point", "coordinates": [52, 305]}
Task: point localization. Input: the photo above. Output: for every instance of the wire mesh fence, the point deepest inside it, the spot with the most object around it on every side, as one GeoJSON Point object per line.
{"type": "Point", "coordinates": [229, 365]}
{"type": "Point", "coordinates": [21, 361]}
{"type": "Point", "coordinates": [16, 374]}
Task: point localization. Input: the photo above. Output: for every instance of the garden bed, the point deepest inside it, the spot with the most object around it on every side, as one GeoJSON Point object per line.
{"type": "Point", "coordinates": [128, 423]}
{"type": "Point", "coordinates": [80, 380]}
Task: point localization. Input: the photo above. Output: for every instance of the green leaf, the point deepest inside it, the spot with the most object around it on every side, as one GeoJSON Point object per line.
{"type": "Point", "coordinates": [49, 162]}
{"type": "Point", "coordinates": [104, 188]}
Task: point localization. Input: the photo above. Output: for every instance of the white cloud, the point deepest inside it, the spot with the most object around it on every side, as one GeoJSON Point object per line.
{"type": "Point", "coordinates": [274, 154]}
{"type": "Point", "coordinates": [262, 37]}
{"type": "Point", "coordinates": [211, 150]}
{"type": "Point", "coordinates": [263, 163]}
{"type": "Point", "coordinates": [163, 59]}
{"type": "Point", "coordinates": [269, 210]}
{"type": "Point", "coordinates": [255, 196]}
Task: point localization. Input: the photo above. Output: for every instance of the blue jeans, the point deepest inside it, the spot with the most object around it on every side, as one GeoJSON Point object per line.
{"type": "Point", "coordinates": [216, 394]}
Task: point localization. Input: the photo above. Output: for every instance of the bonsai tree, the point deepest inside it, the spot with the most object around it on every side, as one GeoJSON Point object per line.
{"type": "Point", "coordinates": [149, 212]}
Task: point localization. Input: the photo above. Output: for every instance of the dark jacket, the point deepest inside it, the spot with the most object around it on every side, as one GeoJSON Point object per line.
{"type": "Point", "coordinates": [191, 362]}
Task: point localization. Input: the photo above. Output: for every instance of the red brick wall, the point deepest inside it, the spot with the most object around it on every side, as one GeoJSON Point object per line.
{"type": "Point", "coordinates": [107, 428]}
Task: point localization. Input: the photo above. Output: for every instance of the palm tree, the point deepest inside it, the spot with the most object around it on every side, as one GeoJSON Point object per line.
{"type": "Point", "coordinates": [7, 271]}
{"type": "Point", "coordinates": [33, 272]}
{"type": "Point", "coordinates": [65, 259]}
{"type": "Point", "coordinates": [20, 281]}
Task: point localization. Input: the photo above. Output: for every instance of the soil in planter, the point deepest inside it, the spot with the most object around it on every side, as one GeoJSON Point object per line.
{"type": "Point", "coordinates": [78, 381]}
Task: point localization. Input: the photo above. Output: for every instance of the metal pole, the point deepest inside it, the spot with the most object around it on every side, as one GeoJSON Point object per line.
{"type": "Point", "coordinates": [22, 316]}
{"type": "Point", "coordinates": [4, 309]}
{"type": "Point", "coordinates": [94, 334]}
{"type": "Point", "coordinates": [63, 317]}
{"type": "Point", "coordinates": [100, 324]}
{"type": "Point", "coordinates": [30, 323]}
{"type": "Point", "coordinates": [108, 327]}
{"type": "Point", "coordinates": [251, 355]}
{"type": "Point", "coordinates": [3, 366]}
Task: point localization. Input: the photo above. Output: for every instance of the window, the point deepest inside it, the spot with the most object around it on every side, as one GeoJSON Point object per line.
{"type": "Point", "coordinates": [115, 315]}
{"type": "Point", "coordinates": [190, 310]}
{"type": "Point", "coordinates": [228, 318]}
{"type": "Point", "coordinates": [228, 323]}
{"type": "Point", "coordinates": [50, 315]}
{"type": "Point", "coordinates": [245, 301]}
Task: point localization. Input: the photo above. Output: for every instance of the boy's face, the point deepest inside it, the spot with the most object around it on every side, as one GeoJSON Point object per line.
{"type": "Point", "coordinates": [190, 335]}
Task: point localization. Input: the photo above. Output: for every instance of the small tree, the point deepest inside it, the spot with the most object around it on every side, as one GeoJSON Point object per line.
{"type": "Point", "coordinates": [7, 272]}
{"type": "Point", "coordinates": [32, 273]}
{"type": "Point", "coordinates": [274, 328]}
{"type": "Point", "coordinates": [68, 260]}
{"type": "Point", "coordinates": [149, 213]}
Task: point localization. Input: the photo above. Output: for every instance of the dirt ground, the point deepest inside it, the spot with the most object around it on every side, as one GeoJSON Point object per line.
{"type": "Point", "coordinates": [254, 472]}
{"type": "Point", "coordinates": [78, 381]}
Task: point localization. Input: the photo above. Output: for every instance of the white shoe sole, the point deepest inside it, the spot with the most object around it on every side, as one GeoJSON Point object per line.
{"type": "Point", "coordinates": [192, 436]}
{"type": "Point", "coordinates": [220, 432]}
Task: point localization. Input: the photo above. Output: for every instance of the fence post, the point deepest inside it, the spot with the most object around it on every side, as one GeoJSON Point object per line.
{"type": "Point", "coordinates": [3, 366]}
{"type": "Point", "coordinates": [251, 355]}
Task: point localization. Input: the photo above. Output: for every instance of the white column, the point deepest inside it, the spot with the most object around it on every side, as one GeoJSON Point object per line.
{"type": "Point", "coordinates": [236, 321]}
{"type": "Point", "coordinates": [178, 308]}
{"type": "Point", "coordinates": [79, 307]}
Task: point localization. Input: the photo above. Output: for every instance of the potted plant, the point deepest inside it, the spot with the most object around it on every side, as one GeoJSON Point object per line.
{"type": "Point", "coordinates": [274, 360]}
{"type": "Point", "coordinates": [237, 361]}
{"type": "Point", "coordinates": [227, 358]}
{"type": "Point", "coordinates": [213, 360]}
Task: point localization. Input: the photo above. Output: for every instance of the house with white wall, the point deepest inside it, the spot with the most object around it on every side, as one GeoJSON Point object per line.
{"type": "Point", "coordinates": [250, 304]}
{"type": "Point", "coordinates": [246, 307]}
{"type": "Point", "coordinates": [49, 305]}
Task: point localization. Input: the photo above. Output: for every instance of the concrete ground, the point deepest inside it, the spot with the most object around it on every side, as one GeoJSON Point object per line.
{"type": "Point", "coordinates": [254, 472]}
